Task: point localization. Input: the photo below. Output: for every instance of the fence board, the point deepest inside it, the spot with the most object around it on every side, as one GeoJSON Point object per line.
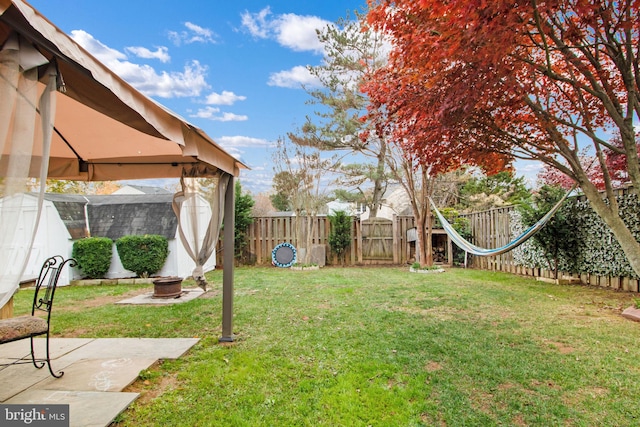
{"type": "Point", "coordinates": [491, 229]}
{"type": "Point", "coordinates": [267, 232]}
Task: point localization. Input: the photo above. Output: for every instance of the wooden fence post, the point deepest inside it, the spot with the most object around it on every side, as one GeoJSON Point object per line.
{"type": "Point", "coordinates": [359, 241]}
{"type": "Point", "coordinates": [396, 239]}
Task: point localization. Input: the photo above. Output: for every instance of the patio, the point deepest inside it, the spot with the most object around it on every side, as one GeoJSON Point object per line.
{"type": "Point", "coordinates": [96, 373]}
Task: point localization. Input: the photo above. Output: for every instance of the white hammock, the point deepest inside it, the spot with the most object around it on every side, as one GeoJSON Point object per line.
{"type": "Point", "coordinates": [476, 250]}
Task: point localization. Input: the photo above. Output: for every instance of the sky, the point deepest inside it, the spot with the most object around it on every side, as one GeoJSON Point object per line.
{"type": "Point", "coordinates": [233, 69]}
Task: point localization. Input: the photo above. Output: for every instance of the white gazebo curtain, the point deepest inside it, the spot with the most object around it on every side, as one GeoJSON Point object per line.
{"type": "Point", "coordinates": [26, 126]}
{"type": "Point", "coordinates": [199, 234]}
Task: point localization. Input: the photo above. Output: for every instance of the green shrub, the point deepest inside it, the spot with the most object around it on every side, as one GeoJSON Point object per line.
{"type": "Point", "coordinates": [340, 235]}
{"type": "Point", "coordinates": [144, 255]}
{"type": "Point", "coordinates": [557, 239]}
{"type": "Point", "coordinates": [244, 204]}
{"type": "Point", "coordinates": [462, 226]}
{"type": "Point", "coordinates": [93, 255]}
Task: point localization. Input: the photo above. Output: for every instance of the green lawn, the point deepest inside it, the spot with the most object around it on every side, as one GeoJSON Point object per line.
{"type": "Point", "coordinates": [378, 347]}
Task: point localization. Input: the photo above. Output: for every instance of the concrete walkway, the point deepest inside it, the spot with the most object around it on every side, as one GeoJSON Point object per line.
{"type": "Point", "coordinates": [95, 373]}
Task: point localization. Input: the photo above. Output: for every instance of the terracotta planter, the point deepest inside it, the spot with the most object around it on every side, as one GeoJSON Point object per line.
{"type": "Point", "coordinates": [167, 287]}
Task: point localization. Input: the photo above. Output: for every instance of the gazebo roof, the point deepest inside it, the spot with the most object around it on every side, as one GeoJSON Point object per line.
{"type": "Point", "coordinates": [104, 128]}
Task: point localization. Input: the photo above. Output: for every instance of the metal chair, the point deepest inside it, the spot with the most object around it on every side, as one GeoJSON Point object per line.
{"type": "Point", "coordinates": [23, 327]}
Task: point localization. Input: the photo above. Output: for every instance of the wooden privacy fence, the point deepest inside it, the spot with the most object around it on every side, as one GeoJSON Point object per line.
{"type": "Point", "coordinates": [491, 229]}
{"type": "Point", "coordinates": [385, 242]}
{"type": "Point", "coordinates": [372, 242]}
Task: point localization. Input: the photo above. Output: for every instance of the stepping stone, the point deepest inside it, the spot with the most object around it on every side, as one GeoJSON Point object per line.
{"type": "Point", "coordinates": [86, 408]}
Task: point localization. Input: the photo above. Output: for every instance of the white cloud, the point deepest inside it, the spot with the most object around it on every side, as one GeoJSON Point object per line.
{"type": "Point", "coordinates": [213, 113]}
{"type": "Point", "coordinates": [231, 117]}
{"type": "Point", "coordinates": [528, 169]}
{"type": "Point", "coordinates": [292, 31]}
{"type": "Point", "coordinates": [256, 181]}
{"type": "Point", "coordinates": [97, 49]}
{"type": "Point", "coordinates": [234, 145]}
{"type": "Point", "coordinates": [161, 53]}
{"type": "Point", "coordinates": [243, 141]}
{"type": "Point", "coordinates": [234, 152]}
{"type": "Point", "coordinates": [256, 23]}
{"type": "Point", "coordinates": [190, 82]}
{"type": "Point", "coordinates": [299, 32]}
{"type": "Point", "coordinates": [193, 34]}
{"type": "Point", "coordinates": [295, 78]}
{"type": "Point", "coordinates": [224, 98]}
{"type": "Point", "coordinates": [167, 84]}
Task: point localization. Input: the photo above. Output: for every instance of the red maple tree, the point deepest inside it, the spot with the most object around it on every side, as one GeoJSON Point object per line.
{"type": "Point", "coordinates": [521, 79]}
{"type": "Point", "coordinates": [616, 167]}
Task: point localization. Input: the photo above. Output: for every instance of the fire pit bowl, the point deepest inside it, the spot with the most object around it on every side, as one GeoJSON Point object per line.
{"type": "Point", "coordinates": [167, 287]}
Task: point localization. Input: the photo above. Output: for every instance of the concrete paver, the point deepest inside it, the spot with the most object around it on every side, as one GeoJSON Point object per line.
{"type": "Point", "coordinates": [96, 372]}
{"type": "Point", "coordinates": [113, 348]}
{"type": "Point", "coordinates": [18, 378]}
{"type": "Point", "coordinates": [58, 347]}
{"type": "Point", "coordinates": [98, 375]}
{"type": "Point", "coordinates": [86, 408]}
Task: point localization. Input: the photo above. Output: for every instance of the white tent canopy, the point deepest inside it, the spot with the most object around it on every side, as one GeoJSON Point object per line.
{"type": "Point", "coordinates": [97, 128]}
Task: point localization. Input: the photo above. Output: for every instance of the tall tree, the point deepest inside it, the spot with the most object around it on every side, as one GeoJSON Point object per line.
{"type": "Point", "coordinates": [286, 185]}
{"type": "Point", "coordinates": [351, 53]}
{"type": "Point", "coordinates": [243, 217]}
{"type": "Point", "coordinates": [301, 171]}
{"type": "Point", "coordinates": [417, 181]}
{"type": "Point", "coordinates": [616, 168]}
{"type": "Point", "coordinates": [280, 201]}
{"type": "Point", "coordinates": [81, 187]}
{"type": "Point", "coordinates": [340, 235]}
{"type": "Point", "coordinates": [557, 238]}
{"type": "Point", "coordinates": [484, 192]}
{"type": "Point", "coordinates": [263, 205]}
{"type": "Point", "coordinates": [527, 79]}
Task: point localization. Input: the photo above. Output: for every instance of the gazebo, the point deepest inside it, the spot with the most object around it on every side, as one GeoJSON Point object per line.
{"type": "Point", "coordinates": [65, 115]}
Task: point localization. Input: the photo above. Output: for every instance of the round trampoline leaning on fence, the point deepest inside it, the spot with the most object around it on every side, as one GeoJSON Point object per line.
{"type": "Point", "coordinates": [283, 255]}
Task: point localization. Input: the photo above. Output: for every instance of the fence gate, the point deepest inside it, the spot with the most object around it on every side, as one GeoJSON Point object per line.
{"type": "Point", "coordinates": [377, 241]}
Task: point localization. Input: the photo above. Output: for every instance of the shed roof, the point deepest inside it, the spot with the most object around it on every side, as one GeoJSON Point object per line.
{"type": "Point", "coordinates": [141, 189]}
{"type": "Point", "coordinates": [70, 207]}
{"type": "Point", "coordinates": [115, 216]}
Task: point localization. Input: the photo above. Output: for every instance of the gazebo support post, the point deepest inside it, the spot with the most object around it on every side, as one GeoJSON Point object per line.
{"type": "Point", "coordinates": [228, 263]}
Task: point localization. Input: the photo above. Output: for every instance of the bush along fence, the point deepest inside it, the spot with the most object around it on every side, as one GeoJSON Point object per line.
{"type": "Point", "coordinates": [93, 255]}
{"type": "Point", "coordinates": [595, 258]}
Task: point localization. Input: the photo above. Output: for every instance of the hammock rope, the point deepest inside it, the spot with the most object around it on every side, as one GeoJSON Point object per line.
{"type": "Point", "coordinates": [477, 250]}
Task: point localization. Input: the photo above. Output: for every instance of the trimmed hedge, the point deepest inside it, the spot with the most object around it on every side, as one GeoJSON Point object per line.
{"type": "Point", "coordinates": [144, 255]}
{"type": "Point", "coordinates": [93, 255]}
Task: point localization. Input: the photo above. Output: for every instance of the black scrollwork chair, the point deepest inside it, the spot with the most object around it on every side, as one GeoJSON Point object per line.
{"type": "Point", "coordinates": [22, 327]}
